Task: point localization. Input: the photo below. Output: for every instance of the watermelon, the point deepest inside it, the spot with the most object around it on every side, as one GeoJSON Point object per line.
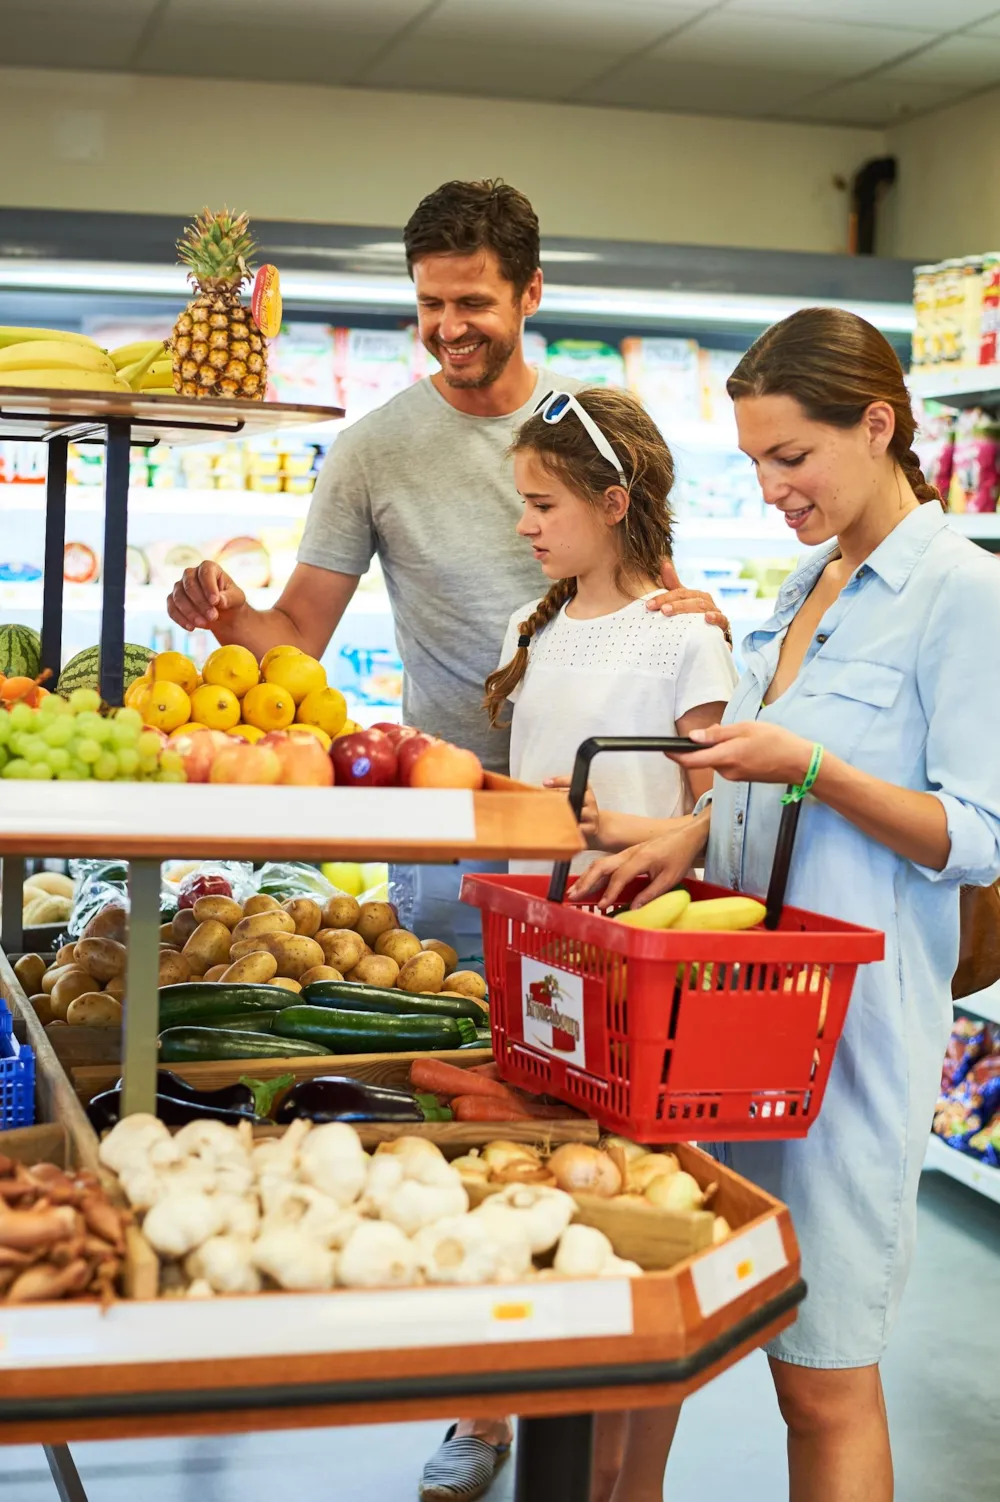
{"type": "Point", "coordinates": [20, 652]}
{"type": "Point", "coordinates": [83, 670]}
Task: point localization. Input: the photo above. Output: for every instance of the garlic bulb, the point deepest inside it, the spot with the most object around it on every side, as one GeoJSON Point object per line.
{"type": "Point", "coordinates": [332, 1160]}
{"type": "Point", "coordinates": [585, 1170]}
{"type": "Point", "coordinates": [180, 1221]}
{"type": "Point", "coordinates": [464, 1249]}
{"type": "Point", "coordinates": [721, 1230]}
{"type": "Point", "coordinates": [225, 1264]}
{"type": "Point", "coordinates": [537, 1213]}
{"type": "Point", "coordinates": [377, 1255]}
{"type": "Point", "coordinates": [583, 1251]}
{"type": "Point", "coordinates": [129, 1141]}
{"type": "Point", "coordinates": [293, 1259]}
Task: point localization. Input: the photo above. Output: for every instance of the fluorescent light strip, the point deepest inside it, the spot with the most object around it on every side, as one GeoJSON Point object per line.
{"type": "Point", "coordinates": [329, 289]}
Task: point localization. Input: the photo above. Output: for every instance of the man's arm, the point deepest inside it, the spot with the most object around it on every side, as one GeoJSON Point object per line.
{"type": "Point", "coordinates": [306, 616]}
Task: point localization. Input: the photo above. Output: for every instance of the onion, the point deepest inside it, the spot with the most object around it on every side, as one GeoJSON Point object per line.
{"type": "Point", "coordinates": [632, 1150]}
{"type": "Point", "coordinates": [676, 1191]}
{"type": "Point", "coordinates": [498, 1154]}
{"type": "Point", "coordinates": [642, 1171]}
{"type": "Point", "coordinates": [585, 1170]}
{"type": "Point", "coordinates": [721, 1230]}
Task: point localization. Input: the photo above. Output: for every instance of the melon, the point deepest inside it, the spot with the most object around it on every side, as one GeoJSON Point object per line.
{"type": "Point", "coordinates": [84, 670]}
{"type": "Point", "coordinates": [20, 652]}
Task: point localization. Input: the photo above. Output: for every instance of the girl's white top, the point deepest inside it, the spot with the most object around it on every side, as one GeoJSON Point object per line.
{"type": "Point", "coordinates": [634, 672]}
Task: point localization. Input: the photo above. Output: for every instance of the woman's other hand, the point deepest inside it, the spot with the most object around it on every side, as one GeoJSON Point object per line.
{"type": "Point", "coordinates": [750, 752]}
{"type": "Point", "coordinates": [665, 861]}
{"type": "Point", "coordinates": [590, 818]}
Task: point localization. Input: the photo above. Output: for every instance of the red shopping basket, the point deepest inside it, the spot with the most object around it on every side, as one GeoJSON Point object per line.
{"type": "Point", "coordinates": [667, 1036]}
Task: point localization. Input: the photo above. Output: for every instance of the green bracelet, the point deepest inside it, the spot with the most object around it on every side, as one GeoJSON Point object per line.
{"type": "Point", "coordinates": [797, 793]}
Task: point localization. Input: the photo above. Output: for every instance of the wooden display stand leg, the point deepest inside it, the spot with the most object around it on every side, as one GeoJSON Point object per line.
{"type": "Point", "coordinates": [553, 1458]}
{"type": "Point", "coordinates": [64, 1473]}
{"type": "Point", "coordinates": [139, 1045]}
{"type": "Point", "coordinates": [11, 931]}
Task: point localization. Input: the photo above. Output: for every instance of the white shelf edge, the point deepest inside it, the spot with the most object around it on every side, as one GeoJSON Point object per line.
{"type": "Point", "coordinates": [967, 1170]}
{"type": "Point", "coordinates": [83, 500]}
{"type": "Point", "coordinates": [938, 384]}
{"type": "Point", "coordinates": [985, 1004]}
{"type": "Point", "coordinates": [86, 599]}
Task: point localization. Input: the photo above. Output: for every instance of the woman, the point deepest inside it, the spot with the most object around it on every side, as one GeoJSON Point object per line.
{"type": "Point", "coordinates": [876, 682]}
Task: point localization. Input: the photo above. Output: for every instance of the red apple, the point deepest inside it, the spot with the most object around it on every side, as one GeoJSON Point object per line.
{"type": "Point", "coordinates": [395, 734]}
{"type": "Point", "coordinates": [195, 886]}
{"type": "Point", "coordinates": [364, 759]}
{"type": "Point", "coordinates": [303, 761]}
{"type": "Point", "coordinates": [445, 766]}
{"type": "Point", "coordinates": [198, 751]}
{"type": "Point", "coordinates": [246, 764]}
{"type": "Point", "coordinates": [407, 753]}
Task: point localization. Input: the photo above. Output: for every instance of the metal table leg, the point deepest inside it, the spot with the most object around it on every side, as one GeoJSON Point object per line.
{"type": "Point", "coordinates": [55, 562]}
{"type": "Point", "coordinates": [11, 931]}
{"type": "Point", "coordinates": [553, 1458]}
{"type": "Point", "coordinates": [64, 1473]}
{"type": "Point", "coordinates": [116, 475]}
{"type": "Point", "coordinates": [142, 979]}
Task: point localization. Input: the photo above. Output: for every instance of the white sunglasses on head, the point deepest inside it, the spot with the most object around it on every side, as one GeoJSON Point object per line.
{"type": "Point", "coordinates": [553, 408]}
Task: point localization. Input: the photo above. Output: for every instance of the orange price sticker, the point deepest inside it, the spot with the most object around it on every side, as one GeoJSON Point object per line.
{"type": "Point", "coordinates": [744, 1269]}
{"type": "Point", "coordinates": [265, 301]}
{"type": "Point", "coordinates": [513, 1311]}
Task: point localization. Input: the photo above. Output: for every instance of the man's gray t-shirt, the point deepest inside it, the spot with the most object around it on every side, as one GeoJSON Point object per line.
{"type": "Point", "coordinates": [429, 489]}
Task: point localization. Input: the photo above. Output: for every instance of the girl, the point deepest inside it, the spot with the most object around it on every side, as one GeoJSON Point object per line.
{"type": "Point", "coordinates": [865, 687]}
{"type": "Point", "coordinates": [590, 658]}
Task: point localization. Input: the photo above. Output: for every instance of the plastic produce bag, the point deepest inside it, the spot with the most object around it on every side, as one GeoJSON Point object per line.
{"type": "Point", "coordinates": [180, 877]}
{"type": "Point", "coordinates": [284, 879]}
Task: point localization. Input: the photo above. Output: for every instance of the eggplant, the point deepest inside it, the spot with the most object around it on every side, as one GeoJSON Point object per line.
{"type": "Point", "coordinates": [335, 1097]}
{"type": "Point", "coordinates": [238, 1097]}
{"type": "Point", "coordinates": [104, 1110]}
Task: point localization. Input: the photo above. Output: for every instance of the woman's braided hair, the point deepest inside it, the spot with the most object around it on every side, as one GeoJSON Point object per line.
{"type": "Point", "coordinates": [644, 534]}
{"type": "Point", "coordinates": [834, 364]}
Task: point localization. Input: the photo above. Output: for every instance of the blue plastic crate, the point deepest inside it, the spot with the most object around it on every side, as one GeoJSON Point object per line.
{"type": "Point", "coordinates": [17, 1076]}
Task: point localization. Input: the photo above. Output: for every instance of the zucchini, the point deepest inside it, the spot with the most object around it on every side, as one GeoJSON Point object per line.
{"type": "Point", "coordinates": [257, 1022]}
{"type": "Point", "coordinates": [343, 1031]}
{"type": "Point", "coordinates": [356, 996]}
{"type": "Point", "coordinates": [189, 1045]}
{"type": "Point", "coordinates": [198, 1002]}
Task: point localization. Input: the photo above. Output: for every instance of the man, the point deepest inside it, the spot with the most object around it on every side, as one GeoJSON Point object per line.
{"type": "Point", "coordinates": [422, 483]}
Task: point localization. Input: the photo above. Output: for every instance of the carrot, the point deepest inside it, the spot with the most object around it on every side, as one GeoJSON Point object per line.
{"type": "Point", "coordinates": [486, 1108]}
{"type": "Point", "coordinates": [488, 1071]}
{"type": "Point", "coordinates": [542, 1111]}
{"type": "Point", "coordinates": [436, 1077]}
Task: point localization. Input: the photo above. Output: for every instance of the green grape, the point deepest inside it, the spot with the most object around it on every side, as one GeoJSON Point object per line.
{"type": "Point", "coordinates": [80, 771]}
{"type": "Point", "coordinates": [171, 777]}
{"type": "Point", "coordinates": [17, 739]}
{"type": "Point", "coordinates": [128, 761]}
{"type": "Point", "coordinates": [106, 767]}
{"type": "Point", "coordinates": [94, 727]}
{"type": "Point", "coordinates": [172, 761]}
{"type": "Point", "coordinates": [87, 750]}
{"type": "Point", "coordinates": [17, 769]}
{"type": "Point", "coordinates": [55, 707]}
{"type": "Point", "coordinates": [4, 757]}
{"type": "Point", "coordinates": [68, 775]}
{"type": "Point", "coordinates": [33, 747]}
{"type": "Point", "coordinates": [21, 717]}
{"type": "Point", "coordinates": [39, 771]}
{"type": "Point", "coordinates": [148, 745]}
{"type": "Point", "coordinates": [59, 732]}
{"type": "Point", "coordinates": [84, 701]}
{"type": "Point", "coordinates": [58, 758]}
{"type": "Point", "coordinates": [129, 717]}
{"type": "Point", "coordinates": [4, 727]}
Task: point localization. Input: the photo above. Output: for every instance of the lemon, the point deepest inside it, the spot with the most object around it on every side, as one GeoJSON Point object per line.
{"type": "Point", "coordinates": [249, 733]}
{"type": "Point", "coordinates": [165, 706]}
{"type": "Point", "coordinates": [300, 675]}
{"type": "Point", "coordinates": [274, 652]}
{"type": "Point", "coordinates": [314, 730]}
{"type": "Point", "coordinates": [174, 667]}
{"type": "Point", "coordinates": [215, 706]}
{"type": "Point", "coordinates": [325, 707]}
{"type": "Point", "coordinates": [188, 729]}
{"type": "Point", "coordinates": [350, 726]}
{"type": "Point", "coordinates": [268, 707]}
{"type": "Point", "coordinates": [345, 875]}
{"type": "Point", "coordinates": [234, 668]}
{"type": "Point", "coordinates": [134, 693]}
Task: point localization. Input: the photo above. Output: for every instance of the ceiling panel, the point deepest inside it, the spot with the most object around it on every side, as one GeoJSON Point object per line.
{"type": "Point", "coordinates": [504, 71]}
{"type": "Point", "coordinates": [961, 61]}
{"type": "Point", "coordinates": [935, 15]}
{"type": "Point", "coordinates": [91, 34]}
{"type": "Point", "coordinates": [869, 101]}
{"type": "Point", "coordinates": [305, 41]}
{"type": "Point", "coordinates": [661, 84]}
{"type": "Point", "coordinates": [780, 42]}
{"type": "Point", "coordinates": [579, 24]}
{"type": "Point", "coordinates": [990, 28]}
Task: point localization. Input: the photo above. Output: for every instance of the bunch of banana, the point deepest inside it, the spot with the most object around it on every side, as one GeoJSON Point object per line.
{"type": "Point", "coordinates": [145, 366]}
{"type": "Point", "coordinates": [49, 359]}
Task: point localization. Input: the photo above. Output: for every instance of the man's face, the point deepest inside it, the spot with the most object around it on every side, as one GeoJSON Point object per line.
{"type": "Point", "coordinates": [470, 316]}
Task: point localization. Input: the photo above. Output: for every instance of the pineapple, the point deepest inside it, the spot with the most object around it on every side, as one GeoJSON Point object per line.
{"type": "Point", "coordinates": [217, 347]}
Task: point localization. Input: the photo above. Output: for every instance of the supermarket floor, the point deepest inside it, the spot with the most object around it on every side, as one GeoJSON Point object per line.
{"type": "Point", "coordinates": [940, 1379]}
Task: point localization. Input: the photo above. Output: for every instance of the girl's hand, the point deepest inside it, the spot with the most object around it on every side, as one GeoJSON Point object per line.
{"type": "Point", "coordinates": [590, 818]}
{"type": "Point", "coordinates": [750, 752]}
{"type": "Point", "coordinates": [666, 861]}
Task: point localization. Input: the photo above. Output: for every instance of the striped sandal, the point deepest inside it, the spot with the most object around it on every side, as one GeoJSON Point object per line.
{"type": "Point", "coordinates": [461, 1469]}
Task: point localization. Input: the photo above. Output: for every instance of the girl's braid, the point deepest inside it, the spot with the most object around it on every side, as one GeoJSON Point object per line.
{"type": "Point", "coordinates": [501, 684]}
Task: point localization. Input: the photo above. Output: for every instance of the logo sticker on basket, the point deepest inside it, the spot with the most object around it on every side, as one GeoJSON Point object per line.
{"type": "Point", "coordinates": [552, 1007]}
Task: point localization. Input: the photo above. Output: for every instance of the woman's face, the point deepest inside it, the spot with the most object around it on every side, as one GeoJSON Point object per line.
{"type": "Point", "coordinates": [569, 537]}
{"type": "Point", "coordinates": [821, 479]}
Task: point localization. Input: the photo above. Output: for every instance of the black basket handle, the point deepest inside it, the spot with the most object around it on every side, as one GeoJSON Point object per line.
{"type": "Point", "coordinates": [667, 745]}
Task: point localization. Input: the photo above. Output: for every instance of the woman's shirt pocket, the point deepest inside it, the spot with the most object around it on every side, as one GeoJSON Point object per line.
{"type": "Point", "coordinates": [861, 711]}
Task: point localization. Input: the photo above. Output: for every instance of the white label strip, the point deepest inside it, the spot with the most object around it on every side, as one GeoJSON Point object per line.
{"type": "Point", "coordinates": [737, 1266]}
{"type": "Point", "coordinates": [310, 1324]}
{"type": "Point", "coordinates": [189, 812]}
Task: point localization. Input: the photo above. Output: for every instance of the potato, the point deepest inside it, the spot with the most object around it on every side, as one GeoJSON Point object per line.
{"type": "Point", "coordinates": [195, 978]}
{"type": "Point", "coordinates": [305, 914]}
{"type": "Point", "coordinates": [286, 983]}
{"type": "Point", "coordinates": [375, 970]}
{"type": "Point", "coordinates": [43, 1008]}
{"type": "Point", "coordinates": [167, 935]}
{"type": "Point", "coordinates": [52, 882]}
{"type": "Point", "coordinates": [218, 910]}
{"type": "Point", "coordinates": [259, 904]}
{"type": "Point", "coordinates": [116, 987]}
{"type": "Point", "coordinates": [110, 923]}
{"type": "Point", "coordinates": [29, 970]}
{"type": "Point", "coordinates": [341, 912]}
{"type": "Point", "coordinates": [449, 955]}
{"type": "Point", "coordinates": [399, 944]}
{"type": "Point", "coordinates": [66, 989]}
{"type": "Point", "coordinates": [174, 968]}
{"type": "Point", "coordinates": [254, 969]}
{"type": "Point", "coordinates": [425, 972]}
{"type": "Point", "coordinates": [273, 921]}
{"type": "Point", "coordinates": [375, 918]}
{"type": "Point", "coordinates": [320, 972]}
{"type": "Point", "coordinates": [184, 925]}
{"type": "Point", "coordinates": [215, 973]}
{"type": "Point", "coordinates": [467, 983]}
{"type": "Point", "coordinates": [208, 945]}
{"type": "Point", "coordinates": [64, 956]}
{"type": "Point", "coordinates": [53, 973]}
{"type": "Point", "coordinates": [342, 947]}
{"type": "Point", "coordinates": [101, 958]}
{"type": "Point", "coordinates": [294, 953]}
{"type": "Point", "coordinates": [95, 1009]}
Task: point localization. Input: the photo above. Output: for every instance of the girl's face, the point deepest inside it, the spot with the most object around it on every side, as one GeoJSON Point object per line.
{"type": "Point", "coordinates": [569, 536]}
{"type": "Point", "coordinates": [821, 479]}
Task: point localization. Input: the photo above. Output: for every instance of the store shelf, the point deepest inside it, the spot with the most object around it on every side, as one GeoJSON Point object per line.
{"type": "Point", "coordinates": [77, 415]}
{"type": "Point", "coordinates": [965, 1169]}
{"type": "Point", "coordinates": [142, 501]}
{"type": "Point", "coordinates": [964, 386]}
{"type": "Point", "coordinates": [151, 599]}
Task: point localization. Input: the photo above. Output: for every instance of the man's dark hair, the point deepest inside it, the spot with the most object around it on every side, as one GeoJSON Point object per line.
{"type": "Point", "coordinates": [460, 218]}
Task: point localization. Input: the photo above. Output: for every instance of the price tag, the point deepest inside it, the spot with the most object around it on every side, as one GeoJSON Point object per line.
{"type": "Point", "coordinates": [265, 301]}
{"type": "Point", "coordinates": [738, 1265]}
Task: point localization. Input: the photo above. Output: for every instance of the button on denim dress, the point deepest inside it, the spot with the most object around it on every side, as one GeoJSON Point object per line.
{"type": "Point", "coordinates": [902, 680]}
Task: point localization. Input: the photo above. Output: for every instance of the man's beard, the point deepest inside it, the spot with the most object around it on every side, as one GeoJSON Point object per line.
{"type": "Point", "coordinates": [497, 357]}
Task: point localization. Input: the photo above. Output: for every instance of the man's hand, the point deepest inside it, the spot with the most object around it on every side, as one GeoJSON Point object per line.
{"type": "Point", "coordinates": [202, 595]}
{"type": "Point", "coordinates": [680, 601]}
